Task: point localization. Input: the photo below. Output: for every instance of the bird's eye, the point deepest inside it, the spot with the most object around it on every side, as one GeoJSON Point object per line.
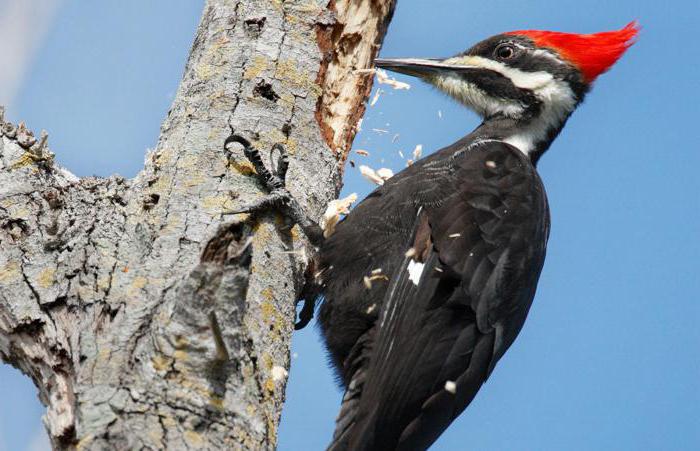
{"type": "Point", "coordinates": [505, 51]}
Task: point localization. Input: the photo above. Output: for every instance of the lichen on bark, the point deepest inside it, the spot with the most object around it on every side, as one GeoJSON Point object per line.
{"type": "Point", "coordinates": [145, 316]}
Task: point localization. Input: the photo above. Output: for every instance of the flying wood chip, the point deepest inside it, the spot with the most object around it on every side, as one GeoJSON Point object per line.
{"type": "Point", "coordinates": [332, 214]}
{"type": "Point", "coordinates": [383, 78]}
{"type": "Point", "coordinates": [377, 177]}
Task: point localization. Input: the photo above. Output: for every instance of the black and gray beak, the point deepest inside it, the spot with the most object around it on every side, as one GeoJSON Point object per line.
{"type": "Point", "coordinates": [416, 67]}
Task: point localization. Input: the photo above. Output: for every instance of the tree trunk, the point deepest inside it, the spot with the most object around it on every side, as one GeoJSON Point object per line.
{"type": "Point", "coordinates": [144, 316]}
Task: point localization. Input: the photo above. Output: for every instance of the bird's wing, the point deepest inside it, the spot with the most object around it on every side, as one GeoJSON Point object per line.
{"type": "Point", "coordinates": [452, 308]}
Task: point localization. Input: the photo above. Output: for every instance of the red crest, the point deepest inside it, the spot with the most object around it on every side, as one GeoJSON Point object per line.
{"type": "Point", "coordinates": [593, 53]}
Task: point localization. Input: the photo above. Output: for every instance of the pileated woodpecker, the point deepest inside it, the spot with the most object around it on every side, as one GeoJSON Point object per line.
{"type": "Point", "coordinates": [461, 235]}
{"type": "Point", "coordinates": [455, 243]}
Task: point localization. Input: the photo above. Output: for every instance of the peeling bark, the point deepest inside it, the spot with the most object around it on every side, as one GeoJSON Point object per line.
{"type": "Point", "coordinates": [144, 316]}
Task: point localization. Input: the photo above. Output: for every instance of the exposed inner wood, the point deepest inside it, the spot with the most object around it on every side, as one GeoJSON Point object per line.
{"type": "Point", "coordinates": [349, 45]}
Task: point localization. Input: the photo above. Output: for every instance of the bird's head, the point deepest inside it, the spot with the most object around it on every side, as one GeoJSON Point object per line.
{"type": "Point", "coordinates": [528, 76]}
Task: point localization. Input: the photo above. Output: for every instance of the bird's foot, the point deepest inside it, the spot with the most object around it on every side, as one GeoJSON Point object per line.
{"type": "Point", "coordinates": [279, 198]}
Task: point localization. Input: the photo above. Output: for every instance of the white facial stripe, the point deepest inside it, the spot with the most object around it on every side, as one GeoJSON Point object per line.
{"type": "Point", "coordinates": [475, 98]}
{"type": "Point", "coordinates": [547, 54]}
{"type": "Point", "coordinates": [523, 80]}
{"type": "Point", "coordinates": [558, 101]}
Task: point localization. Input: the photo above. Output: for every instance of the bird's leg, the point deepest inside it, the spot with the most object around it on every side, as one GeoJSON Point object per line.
{"type": "Point", "coordinates": [280, 198]}
{"type": "Point", "coordinates": [275, 182]}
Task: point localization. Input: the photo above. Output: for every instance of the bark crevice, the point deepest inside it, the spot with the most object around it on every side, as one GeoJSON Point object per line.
{"type": "Point", "coordinates": [145, 316]}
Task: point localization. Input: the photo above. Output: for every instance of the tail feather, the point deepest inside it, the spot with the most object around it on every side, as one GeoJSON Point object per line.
{"type": "Point", "coordinates": [356, 364]}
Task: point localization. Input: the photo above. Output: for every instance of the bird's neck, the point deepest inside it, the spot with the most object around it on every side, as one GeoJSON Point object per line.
{"type": "Point", "coordinates": [531, 135]}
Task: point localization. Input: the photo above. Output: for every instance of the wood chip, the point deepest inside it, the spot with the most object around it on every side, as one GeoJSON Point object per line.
{"type": "Point", "coordinates": [375, 274]}
{"type": "Point", "coordinates": [417, 152]}
{"type": "Point", "coordinates": [371, 175]}
{"type": "Point", "coordinates": [383, 78]}
{"type": "Point", "coordinates": [410, 253]}
{"type": "Point", "coordinates": [455, 235]}
{"type": "Point", "coordinates": [364, 153]}
{"type": "Point", "coordinates": [278, 373]}
{"type": "Point", "coordinates": [371, 308]}
{"type": "Point", "coordinates": [376, 97]}
{"type": "Point", "coordinates": [385, 173]}
{"type": "Point", "coordinates": [332, 214]}
{"type": "Point", "coordinates": [451, 387]}
{"type": "Point", "coordinates": [368, 282]}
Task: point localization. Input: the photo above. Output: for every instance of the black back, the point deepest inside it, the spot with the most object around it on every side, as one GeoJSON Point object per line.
{"type": "Point", "coordinates": [476, 215]}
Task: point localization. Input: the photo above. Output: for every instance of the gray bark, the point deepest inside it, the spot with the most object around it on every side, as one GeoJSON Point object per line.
{"type": "Point", "coordinates": [145, 317]}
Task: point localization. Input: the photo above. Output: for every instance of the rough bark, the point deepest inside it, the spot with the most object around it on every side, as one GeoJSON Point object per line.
{"type": "Point", "coordinates": [146, 318]}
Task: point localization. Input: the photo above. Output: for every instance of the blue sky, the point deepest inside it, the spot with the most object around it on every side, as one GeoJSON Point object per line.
{"type": "Point", "coordinates": [609, 357]}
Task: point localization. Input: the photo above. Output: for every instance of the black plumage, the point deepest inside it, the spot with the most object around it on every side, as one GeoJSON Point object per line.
{"type": "Point", "coordinates": [483, 226]}
{"type": "Point", "coordinates": [428, 281]}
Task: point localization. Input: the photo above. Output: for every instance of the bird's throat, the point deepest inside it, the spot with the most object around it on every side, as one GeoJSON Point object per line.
{"type": "Point", "coordinates": [531, 136]}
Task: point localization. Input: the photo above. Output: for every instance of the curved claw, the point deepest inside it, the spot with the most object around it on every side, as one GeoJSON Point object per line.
{"type": "Point", "coordinates": [307, 312]}
{"type": "Point", "coordinates": [270, 180]}
{"type": "Point", "coordinates": [282, 162]}
{"type": "Point", "coordinates": [236, 139]}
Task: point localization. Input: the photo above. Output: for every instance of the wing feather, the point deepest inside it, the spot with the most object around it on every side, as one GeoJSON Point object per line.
{"type": "Point", "coordinates": [482, 247]}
